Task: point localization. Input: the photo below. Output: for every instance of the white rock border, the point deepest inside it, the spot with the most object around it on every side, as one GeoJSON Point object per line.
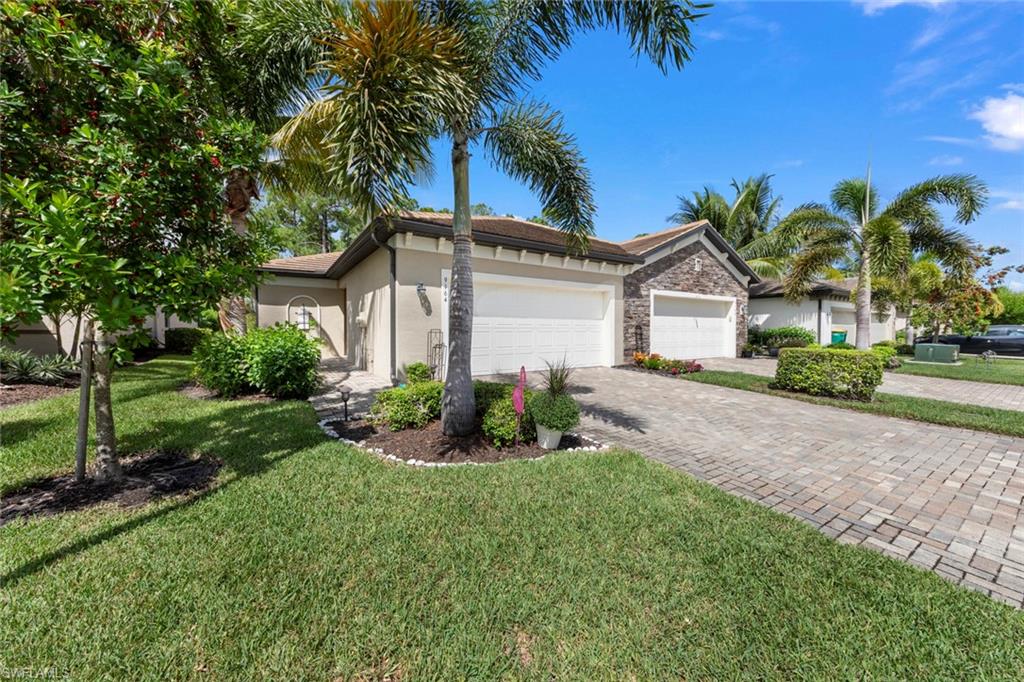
{"type": "Point", "coordinates": [380, 454]}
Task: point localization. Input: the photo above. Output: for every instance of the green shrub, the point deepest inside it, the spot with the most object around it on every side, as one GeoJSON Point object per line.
{"type": "Point", "coordinates": [485, 393]}
{"type": "Point", "coordinates": [407, 407]}
{"type": "Point", "coordinates": [55, 369]}
{"type": "Point", "coordinates": [654, 361]}
{"type": "Point", "coordinates": [184, 339]}
{"type": "Point", "coordinates": [791, 342]}
{"type": "Point", "coordinates": [837, 373]}
{"type": "Point", "coordinates": [499, 424]}
{"type": "Point", "coordinates": [417, 372]}
{"type": "Point", "coordinates": [775, 336]}
{"type": "Point", "coordinates": [222, 364]}
{"type": "Point", "coordinates": [282, 361]}
{"type": "Point", "coordinates": [905, 349]}
{"type": "Point", "coordinates": [842, 345]}
{"type": "Point", "coordinates": [558, 413]}
{"type": "Point", "coordinates": [888, 355]}
{"type": "Point", "coordinates": [880, 344]}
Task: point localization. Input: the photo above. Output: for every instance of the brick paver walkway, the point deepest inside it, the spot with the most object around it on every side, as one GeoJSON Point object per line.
{"type": "Point", "coordinates": [336, 373]}
{"type": "Point", "coordinates": [1002, 396]}
{"type": "Point", "coordinates": [948, 500]}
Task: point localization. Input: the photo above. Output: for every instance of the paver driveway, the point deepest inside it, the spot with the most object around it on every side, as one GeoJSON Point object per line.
{"type": "Point", "coordinates": [946, 499]}
{"type": "Point", "coordinates": [1002, 396]}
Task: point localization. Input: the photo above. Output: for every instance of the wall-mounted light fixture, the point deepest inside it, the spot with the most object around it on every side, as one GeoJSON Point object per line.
{"type": "Point", "coordinates": [421, 288]}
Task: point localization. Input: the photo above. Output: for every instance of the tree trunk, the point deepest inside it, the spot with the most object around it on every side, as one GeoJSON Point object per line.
{"type": "Point", "coordinates": [82, 439]}
{"type": "Point", "coordinates": [240, 191]}
{"type": "Point", "coordinates": [864, 299]}
{"type": "Point", "coordinates": [323, 237]}
{"type": "Point", "coordinates": [107, 466]}
{"type": "Point", "coordinates": [458, 410]}
{"type": "Point", "coordinates": [56, 334]}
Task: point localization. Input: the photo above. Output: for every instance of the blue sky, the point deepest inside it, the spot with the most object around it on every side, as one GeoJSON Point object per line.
{"type": "Point", "coordinates": [808, 91]}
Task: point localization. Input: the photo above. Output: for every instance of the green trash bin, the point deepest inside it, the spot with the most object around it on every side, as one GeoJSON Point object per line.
{"type": "Point", "coordinates": [839, 336]}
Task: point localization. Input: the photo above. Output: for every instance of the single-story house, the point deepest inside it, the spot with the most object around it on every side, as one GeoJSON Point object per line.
{"type": "Point", "coordinates": [827, 307]}
{"type": "Point", "coordinates": [382, 303]}
{"type": "Point", "coordinates": [48, 336]}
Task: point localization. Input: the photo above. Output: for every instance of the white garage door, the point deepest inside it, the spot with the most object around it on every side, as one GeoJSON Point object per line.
{"type": "Point", "coordinates": [517, 322]}
{"type": "Point", "coordinates": [685, 328]}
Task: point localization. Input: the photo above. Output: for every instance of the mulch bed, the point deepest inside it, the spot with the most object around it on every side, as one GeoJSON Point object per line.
{"type": "Point", "coordinates": [429, 444]}
{"type": "Point", "coordinates": [15, 394]}
{"type": "Point", "coordinates": [149, 476]}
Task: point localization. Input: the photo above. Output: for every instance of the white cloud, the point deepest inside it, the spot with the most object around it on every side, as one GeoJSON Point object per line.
{"type": "Point", "coordinates": [947, 139]}
{"type": "Point", "coordinates": [712, 35]}
{"type": "Point", "coordinates": [1012, 200]}
{"type": "Point", "coordinates": [1013, 87]}
{"type": "Point", "coordinates": [946, 160]}
{"type": "Point", "coordinates": [1003, 120]}
{"type": "Point", "coordinates": [872, 7]}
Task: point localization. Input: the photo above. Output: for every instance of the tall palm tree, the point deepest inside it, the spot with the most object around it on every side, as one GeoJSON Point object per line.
{"type": "Point", "coordinates": [399, 75]}
{"type": "Point", "coordinates": [882, 241]}
{"type": "Point", "coordinates": [747, 222]}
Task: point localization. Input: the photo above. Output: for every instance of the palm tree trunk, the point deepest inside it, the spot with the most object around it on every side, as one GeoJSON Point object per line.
{"type": "Point", "coordinates": [864, 299]}
{"type": "Point", "coordinates": [107, 466]}
{"type": "Point", "coordinates": [240, 191]}
{"type": "Point", "coordinates": [457, 408]}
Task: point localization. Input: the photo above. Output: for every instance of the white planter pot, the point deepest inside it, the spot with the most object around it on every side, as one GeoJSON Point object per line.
{"type": "Point", "coordinates": [548, 439]}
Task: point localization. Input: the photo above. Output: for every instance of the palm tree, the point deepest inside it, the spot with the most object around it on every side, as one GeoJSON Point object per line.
{"type": "Point", "coordinates": [882, 242]}
{"type": "Point", "coordinates": [399, 75]}
{"type": "Point", "coordinates": [747, 222]}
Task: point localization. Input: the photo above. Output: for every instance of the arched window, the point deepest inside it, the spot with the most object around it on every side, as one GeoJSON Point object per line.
{"type": "Point", "coordinates": [304, 312]}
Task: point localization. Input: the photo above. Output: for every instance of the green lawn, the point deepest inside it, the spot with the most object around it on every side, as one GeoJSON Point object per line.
{"type": "Point", "coordinates": [960, 415]}
{"type": "Point", "coordinates": [314, 561]}
{"type": "Point", "coordinates": [999, 372]}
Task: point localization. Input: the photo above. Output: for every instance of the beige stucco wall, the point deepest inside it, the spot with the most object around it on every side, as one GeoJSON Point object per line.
{"type": "Point", "coordinates": [368, 310]}
{"type": "Point", "coordinates": [275, 294]}
{"type": "Point", "coordinates": [767, 313]}
{"type": "Point", "coordinates": [418, 315]}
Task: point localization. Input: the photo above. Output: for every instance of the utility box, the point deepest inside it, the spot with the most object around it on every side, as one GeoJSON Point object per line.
{"type": "Point", "coordinates": [936, 352]}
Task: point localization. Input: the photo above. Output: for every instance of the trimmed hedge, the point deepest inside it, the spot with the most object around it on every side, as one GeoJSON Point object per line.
{"type": "Point", "coordinates": [417, 372]}
{"type": "Point", "coordinates": [558, 413]}
{"type": "Point", "coordinates": [499, 423]}
{"type": "Point", "coordinates": [776, 337]}
{"type": "Point", "coordinates": [408, 407]}
{"type": "Point", "coordinates": [281, 361]}
{"type": "Point", "coordinates": [222, 365]}
{"type": "Point", "coordinates": [184, 339]}
{"type": "Point", "coordinates": [837, 373]}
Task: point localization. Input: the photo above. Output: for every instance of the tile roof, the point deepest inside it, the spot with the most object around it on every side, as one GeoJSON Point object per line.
{"type": "Point", "coordinates": [650, 242]}
{"type": "Point", "coordinates": [316, 264]}
{"type": "Point", "coordinates": [501, 227]}
{"type": "Point", "coordinates": [772, 287]}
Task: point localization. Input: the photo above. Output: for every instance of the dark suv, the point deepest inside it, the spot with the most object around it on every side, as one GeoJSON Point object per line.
{"type": "Point", "coordinates": [1004, 339]}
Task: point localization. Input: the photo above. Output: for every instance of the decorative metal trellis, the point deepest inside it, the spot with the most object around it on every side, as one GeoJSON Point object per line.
{"type": "Point", "coordinates": [435, 353]}
{"type": "Point", "coordinates": [638, 338]}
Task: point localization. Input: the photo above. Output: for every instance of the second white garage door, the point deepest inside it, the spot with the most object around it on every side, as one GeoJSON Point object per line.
{"type": "Point", "coordinates": [686, 327]}
{"type": "Point", "coordinates": [525, 322]}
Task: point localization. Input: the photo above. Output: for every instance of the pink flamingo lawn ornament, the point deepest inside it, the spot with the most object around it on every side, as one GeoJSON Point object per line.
{"type": "Point", "coordinates": [518, 400]}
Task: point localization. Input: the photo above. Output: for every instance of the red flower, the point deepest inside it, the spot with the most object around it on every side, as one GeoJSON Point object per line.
{"type": "Point", "coordinates": [215, 162]}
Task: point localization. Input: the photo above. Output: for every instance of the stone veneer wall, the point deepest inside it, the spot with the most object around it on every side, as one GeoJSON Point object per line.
{"type": "Point", "coordinates": [675, 272]}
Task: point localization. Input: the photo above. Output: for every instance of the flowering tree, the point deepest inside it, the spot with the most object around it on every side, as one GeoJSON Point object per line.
{"type": "Point", "coordinates": [120, 139]}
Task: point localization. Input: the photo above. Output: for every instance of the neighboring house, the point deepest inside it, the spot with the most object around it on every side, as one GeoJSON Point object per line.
{"type": "Point", "coordinates": [826, 308]}
{"type": "Point", "coordinates": [382, 303]}
{"type": "Point", "coordinates": [42, 337]}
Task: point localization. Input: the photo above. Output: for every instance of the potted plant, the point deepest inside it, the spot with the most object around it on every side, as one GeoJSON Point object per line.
{"type": "Point", "coordinates": [553, 415]}
{"type": "Point", "coordinates": [747, 351]}
{"type": "Point", "coordinates": [554, 411]}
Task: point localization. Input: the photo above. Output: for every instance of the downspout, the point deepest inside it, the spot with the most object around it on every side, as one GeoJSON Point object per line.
{"type": "Point", "coordinates": [392, 287]}
{"type": "Point", "coordinates": [819, 322]}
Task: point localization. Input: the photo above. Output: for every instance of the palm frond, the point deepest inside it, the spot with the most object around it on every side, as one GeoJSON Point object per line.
{"type": "Point", "coordinates": [391, 80]}
{"type": "Point", "coordinates": [809, 265]}
{"type": "Point", "coordinates": [808, 218]}
{"type": "Point", "coordinates": [850, 196]}
{"type": "Point", "coordinates": [528, 142]}
{"type": "Point", "coordinates": [889, 246]}
{"type": "Point", "coordinates": [706, 205]}
{"type": "Point", "coordinates": [966, 193]}
{"type": "Point", "coordinates": [280, 43]}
